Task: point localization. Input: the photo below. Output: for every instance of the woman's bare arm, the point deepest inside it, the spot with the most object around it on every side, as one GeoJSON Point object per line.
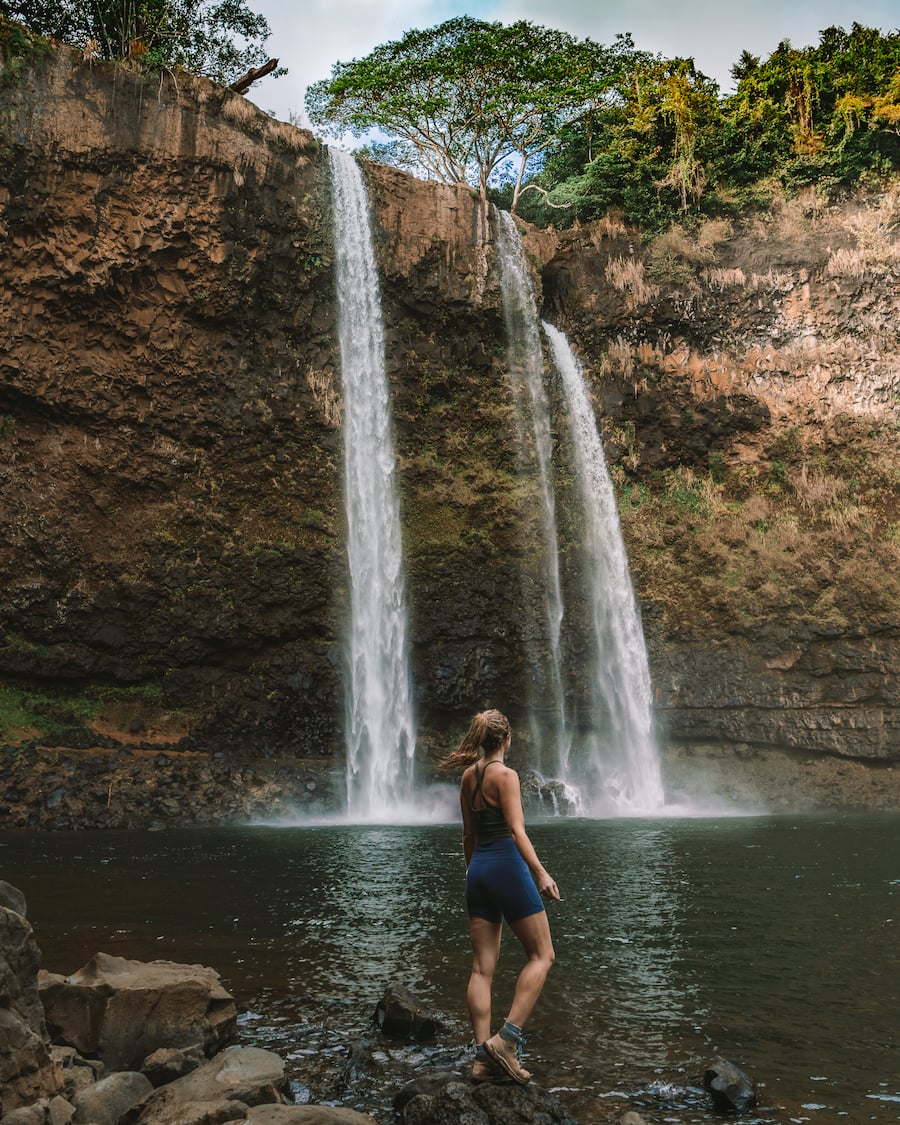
{"type": "Point", "coordinates": [465, 804]}
{"type": "Point", "coordinates": [510, 799]}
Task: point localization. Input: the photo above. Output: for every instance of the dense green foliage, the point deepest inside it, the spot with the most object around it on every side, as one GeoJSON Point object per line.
{"type": "Point", "coordinates": [670, 144]}
{"type": "Point", "coordinates": [465, 99]}
{"type": "Point", "coordinates": [219, 38]}
{"type": "Point", "coordinates": [590, 127]}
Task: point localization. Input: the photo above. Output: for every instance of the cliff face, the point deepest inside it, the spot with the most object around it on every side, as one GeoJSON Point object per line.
{"type": "Point", "coordinates": [171, 536]}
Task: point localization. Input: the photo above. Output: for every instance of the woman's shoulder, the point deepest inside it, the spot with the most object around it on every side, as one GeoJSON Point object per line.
{"type": "Point", "coordinates": [505, 776]}
{"type": "Point", "coordinates": [468, 775]}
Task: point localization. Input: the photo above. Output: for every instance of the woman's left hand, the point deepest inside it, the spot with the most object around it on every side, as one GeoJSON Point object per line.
{"type": "Point", "coordinates": [547, 886]}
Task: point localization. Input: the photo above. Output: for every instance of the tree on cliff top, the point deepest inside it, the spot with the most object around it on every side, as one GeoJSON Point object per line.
{"type": "Point", "coordinates": [463, 99]}
{"type": "Point", "coordinates": [222, 39]}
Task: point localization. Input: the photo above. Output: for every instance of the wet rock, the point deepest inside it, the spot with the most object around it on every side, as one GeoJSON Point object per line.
{"type": "Point", "coordinates": [549, 796]}
{"type": "Point", "coordinates": [121, 1010]}
{"type": "Point", "coordinates": [357, 1062]}
{"type": "Point", "coordinates": [446, 1100]}
{"type": "Point", "coordinates": [11, 898]}
{"type": "Point", "coordinates": [28, 1071]}
{"type": "Point", "coordinates": [731, 1090]}
{"type": "Point", "coordinates": [306, 1115]}
{"type": "Point", "coordinates": [399, 1016]}
{"type": "Point", "coordinates": [219, 1090]}
{"type": "Point", "coordinates": [424, 1085]}
{"type": "Point", "coordinates": [107, 1101]}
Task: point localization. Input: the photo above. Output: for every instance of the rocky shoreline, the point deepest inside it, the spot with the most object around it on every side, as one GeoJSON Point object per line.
{"type": "Point", "coordinates": [148, 786]}
{"type": "Point", "coordinates": [121, 1042]}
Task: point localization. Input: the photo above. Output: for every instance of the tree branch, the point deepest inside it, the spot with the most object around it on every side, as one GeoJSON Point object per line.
{"type": "Point", "coordinates": [253, 75]}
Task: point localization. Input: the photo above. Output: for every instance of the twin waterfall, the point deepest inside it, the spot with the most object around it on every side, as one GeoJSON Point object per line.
{"type": "Point", "coordinates": [608, 765]}
{"type": "Point", "coordinates": [380, 732]}
{"type": "Point", "coordinates": [525, 362]}
{"type": "Point", "coordinates": [622, 768]}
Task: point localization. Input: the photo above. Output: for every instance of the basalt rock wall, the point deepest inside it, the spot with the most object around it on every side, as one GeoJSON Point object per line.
{"type": "Point", "coordinates": [170, 407]}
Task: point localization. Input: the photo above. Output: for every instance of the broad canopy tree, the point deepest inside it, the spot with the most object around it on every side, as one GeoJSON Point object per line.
{"type": "Point", "coordinates": [467, 100]}
{"type": "Point", "coordinates": [221, 39]}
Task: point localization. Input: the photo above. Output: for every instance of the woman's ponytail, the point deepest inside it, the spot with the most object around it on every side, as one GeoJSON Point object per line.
{"type": "Point", "coordinates": [487, 731]}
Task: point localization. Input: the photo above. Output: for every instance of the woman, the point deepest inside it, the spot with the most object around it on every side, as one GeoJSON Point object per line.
{"type": "Point", "coordinates": [500, 861]}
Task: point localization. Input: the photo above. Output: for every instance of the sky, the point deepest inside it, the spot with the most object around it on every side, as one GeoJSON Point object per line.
{"type": "Point", "coordinates": [309, 36]}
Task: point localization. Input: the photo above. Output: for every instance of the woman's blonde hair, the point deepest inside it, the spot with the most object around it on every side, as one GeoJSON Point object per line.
{"type": "Point", "coordinates": [488, 730]}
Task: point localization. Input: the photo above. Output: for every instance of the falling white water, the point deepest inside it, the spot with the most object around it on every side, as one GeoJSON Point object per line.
{"type": "Point", "coordinates": [624, 760]}
{"type": "Point", "coordinates": [526, 366]}
{"type": "Point", "coordinates": [380, 734]}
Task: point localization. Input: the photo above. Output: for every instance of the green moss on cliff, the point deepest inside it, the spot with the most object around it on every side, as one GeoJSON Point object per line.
{"type": "Point", "coordinates": [20, 49]}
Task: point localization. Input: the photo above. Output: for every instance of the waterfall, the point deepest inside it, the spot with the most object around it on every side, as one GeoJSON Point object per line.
{"type": "Point", "coordinates": [526, 367]}
{"type": "Point", "coordinates": [380, 731]}
{"type": "Point", "coordinates": [622, 770]}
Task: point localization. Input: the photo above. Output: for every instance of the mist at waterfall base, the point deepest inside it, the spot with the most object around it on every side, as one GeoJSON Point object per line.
{"type": "Point", "coordinates": [770, 941]}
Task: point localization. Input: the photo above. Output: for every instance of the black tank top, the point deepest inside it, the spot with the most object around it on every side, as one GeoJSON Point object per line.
{"type": "Point", "coordinates": [490, 823]}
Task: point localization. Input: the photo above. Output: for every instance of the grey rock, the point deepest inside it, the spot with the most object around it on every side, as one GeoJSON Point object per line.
{"type": "Point", "coordinates": [399, 1015]}
{"type": "Point", "coordinates": [35, 1114]}
{"type": "Point", "coordinates": [27, 1069]}
{"type": "Point", "coordinates": [122, 1011]}
{"type": "Point", "coordinates": [730, 1088]}
{"type": "Point", "coordinates": [237, 1077]}
{"type": "Point", "coordinates": [77, 1073]}
{"type": "Point", "coordinates": [60, 1111]}
{"type": "Point", "coordinates": [307, 1115]}
{"type": "Point", "coordinates": [455, 1102]}
{"type": "Point", "coordinates": [12, 898]}
{"type": "Point", "coordinates": [108, 1100]}
{"type": "Point", "coordinates": [169, 1063]}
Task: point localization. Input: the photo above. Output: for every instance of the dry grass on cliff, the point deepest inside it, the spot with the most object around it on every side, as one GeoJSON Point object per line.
{"type": "Point", "coordinates": [816, 539]}
{"type": "Point", "coordinates": [627, 275]}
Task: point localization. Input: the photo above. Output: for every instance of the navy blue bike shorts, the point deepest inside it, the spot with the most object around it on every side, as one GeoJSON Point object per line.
{"type": "Point", "coordinates": [499, 884]}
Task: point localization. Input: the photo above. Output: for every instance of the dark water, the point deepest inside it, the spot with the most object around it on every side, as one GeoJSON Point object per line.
{"type": "Point", "coordinates": [770, 941]}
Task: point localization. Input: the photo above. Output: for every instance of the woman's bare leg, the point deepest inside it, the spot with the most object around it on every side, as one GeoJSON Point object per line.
{"type": "Point", "coordinates": [485, 951]}
{"type": "Point", "coordinates": [534, 934]}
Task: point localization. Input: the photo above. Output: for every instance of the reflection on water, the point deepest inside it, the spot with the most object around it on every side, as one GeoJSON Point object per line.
{"type": "Point", "coordinates": [771, 941]}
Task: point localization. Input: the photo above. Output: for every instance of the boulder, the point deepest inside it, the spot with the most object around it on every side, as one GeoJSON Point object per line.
{"type": "Point", "coordinates": [60, 1111]}
{"type": "Point", "coordinates": [358, 1061]}
{"type": "Point", "coordinates": [12, 898]}
{"type": "Point", "coordinates": [45, 1111]}
{"type": "Point", "coordinates": [307, 1115]}
{"type": "Point", "coordinates": [107, 1101]}
{"type": "Point", "coordinates": [455, 1102]}
{"type": "Point", "coordinates": [28, 1071]}
{"type": "Point", "coordinates": [122, 1011]}
{"type": "Point", "coordinates": [77, 1073]}
{"type": "Point", "coordinates": [400, 1017]}
{"type": "Point", "coordinates": [169, 1063]}
{"type": "Point", "coordinates": [220, 1090]}
{"type": "Point", "coordinates": [28, 1114]}
{"type": "Point", "coordinates": [731, 1090]}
